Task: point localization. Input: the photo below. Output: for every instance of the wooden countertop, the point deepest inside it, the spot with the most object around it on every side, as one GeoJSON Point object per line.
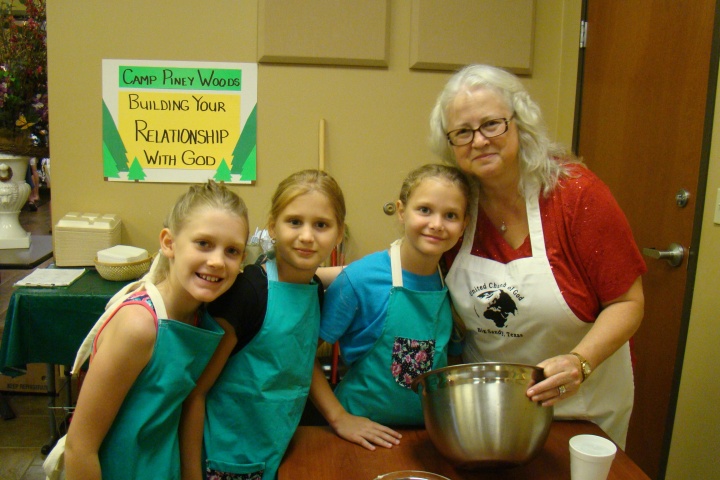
{"type": "Point", "coordinates": [317, 453]}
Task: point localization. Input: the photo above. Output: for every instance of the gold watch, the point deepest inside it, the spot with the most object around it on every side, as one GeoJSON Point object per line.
{"type": "Point", "coordinates": [585, 367]}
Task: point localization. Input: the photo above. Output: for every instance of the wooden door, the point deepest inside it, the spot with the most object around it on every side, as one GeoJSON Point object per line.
{"type": "Point", "coordinates": [642, 123]}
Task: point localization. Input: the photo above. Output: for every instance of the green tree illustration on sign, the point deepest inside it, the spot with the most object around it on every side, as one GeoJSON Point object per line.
{"type": "Point", "coordinates": [249, 169]}
{"type": "Point", "coordinates": [136, 171]}
{"type": "Point", "coordinates": [110, 169]}
{"type": "Point", "coordinates": [114, 150]}
{"type": "Point", "coordinates": [222, 174]}
{"type": "Point", "coordinates": [244, 153]}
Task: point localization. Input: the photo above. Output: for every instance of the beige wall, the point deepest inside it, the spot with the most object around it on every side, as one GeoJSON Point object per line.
{"type": "Point", "coordinates": [376, 132]}
{"type": "Point", "coordinates": [696, 435]}
{"type": "Point", "coordinates": [376, 117]}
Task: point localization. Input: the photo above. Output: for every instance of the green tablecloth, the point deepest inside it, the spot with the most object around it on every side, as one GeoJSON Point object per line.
{"type": "Point", "coordinates": [47, 325]}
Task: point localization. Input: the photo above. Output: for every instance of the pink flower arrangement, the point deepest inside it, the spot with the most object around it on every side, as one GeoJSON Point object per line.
{"type": "Point", "coordinates": [24, 117]}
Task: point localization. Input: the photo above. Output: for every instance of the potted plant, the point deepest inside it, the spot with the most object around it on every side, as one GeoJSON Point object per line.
{"type": "Point", "coordinates": [23, 110]}
{"type": "Point", "coordinates": [23, 79]}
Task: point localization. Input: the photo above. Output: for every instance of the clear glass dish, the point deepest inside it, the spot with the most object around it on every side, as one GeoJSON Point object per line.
{"type": "Point", "coordinates": [411, 475]}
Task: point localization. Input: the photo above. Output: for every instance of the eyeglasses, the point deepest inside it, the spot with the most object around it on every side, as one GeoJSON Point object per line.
{"type": "Point", "coordinates": [491, 128]}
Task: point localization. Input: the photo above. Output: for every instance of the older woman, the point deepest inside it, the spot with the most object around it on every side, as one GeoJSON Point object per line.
{"type": "Point", "coordinates": [548, 272]}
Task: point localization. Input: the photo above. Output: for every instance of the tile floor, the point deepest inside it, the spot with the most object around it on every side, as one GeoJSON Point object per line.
{"type": "Point", "coordinates": [22, 438]}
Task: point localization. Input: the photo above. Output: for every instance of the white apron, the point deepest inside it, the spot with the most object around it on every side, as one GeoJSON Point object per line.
{"type": "Point", "coordinates": [516, 313]}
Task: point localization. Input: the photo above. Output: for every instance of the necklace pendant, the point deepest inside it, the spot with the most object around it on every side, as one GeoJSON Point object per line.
{"type": "Point", "coordinates": [503, 227]}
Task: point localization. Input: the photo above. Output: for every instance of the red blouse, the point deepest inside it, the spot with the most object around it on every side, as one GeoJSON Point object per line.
{"type": "Point", "coordinates": [588, 241]}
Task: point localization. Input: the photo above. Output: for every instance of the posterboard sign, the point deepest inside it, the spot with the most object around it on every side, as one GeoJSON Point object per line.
{"type": "Point", "coordinates": [179, 122]}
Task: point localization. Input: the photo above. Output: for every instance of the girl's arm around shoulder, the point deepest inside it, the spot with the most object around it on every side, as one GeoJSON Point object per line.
{"type": "Point", "coordinates": [192, 422]}
{"type": "Point", "coordinates": [244, 306]}
{"type": "Point", "coordinates": [328, 274]}
{"type": "Point", "coordinates": [124, 348]}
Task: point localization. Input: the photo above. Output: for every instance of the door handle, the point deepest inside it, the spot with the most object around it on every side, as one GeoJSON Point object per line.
{"type": "Point", "coordinates": [674, 254]}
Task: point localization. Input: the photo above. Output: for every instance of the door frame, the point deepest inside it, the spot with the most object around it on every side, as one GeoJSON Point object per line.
{"type": "Point", "coordinates": [692, 257]}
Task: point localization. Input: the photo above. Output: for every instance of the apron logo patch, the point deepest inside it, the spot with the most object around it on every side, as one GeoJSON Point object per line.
{"type": "Point", "coordinates": [496, 303]}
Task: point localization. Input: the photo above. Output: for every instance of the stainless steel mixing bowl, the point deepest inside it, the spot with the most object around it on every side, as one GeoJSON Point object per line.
{"type": "Point", "coordinates": [478, 416]}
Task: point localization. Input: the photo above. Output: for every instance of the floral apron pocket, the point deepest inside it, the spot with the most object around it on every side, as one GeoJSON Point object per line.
{"type": "Point", "coordinates": [410, 359]}
{"type": "Point", "coordinates": [228, 471]}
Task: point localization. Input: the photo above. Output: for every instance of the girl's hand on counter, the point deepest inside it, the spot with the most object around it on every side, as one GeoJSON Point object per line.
{"type": "Point", "coordinates": [365, 432]}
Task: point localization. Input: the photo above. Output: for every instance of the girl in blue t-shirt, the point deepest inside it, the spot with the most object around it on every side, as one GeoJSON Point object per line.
{"type": "Point", "coordinates": [390, 312]}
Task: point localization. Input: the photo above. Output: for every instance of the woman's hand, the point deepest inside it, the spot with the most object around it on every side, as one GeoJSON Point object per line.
{"type": "Point", "coordinates": [617, 322]}
{"type": "Point", "coordinates": [365, 432]}
{"type": "Point", "coordinates": [563, 376]}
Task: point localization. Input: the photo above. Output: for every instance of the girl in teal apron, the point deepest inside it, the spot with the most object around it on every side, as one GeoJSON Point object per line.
{"type": "Point", "coordinates": [151, 346]}
{"type": "Point", "coordinates": [391, 313]}
{"type": "Point", "coordinates": [260, 390]}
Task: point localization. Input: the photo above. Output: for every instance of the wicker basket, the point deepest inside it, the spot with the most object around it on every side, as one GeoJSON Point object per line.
{"type": "Point", "coordinates": [123, 271]}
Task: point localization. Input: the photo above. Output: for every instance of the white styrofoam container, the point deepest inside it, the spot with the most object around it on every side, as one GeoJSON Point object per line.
{"type": "Point", "coordinates": [77, 237]}
{"type": "Point", "coordinates": [122, 254]}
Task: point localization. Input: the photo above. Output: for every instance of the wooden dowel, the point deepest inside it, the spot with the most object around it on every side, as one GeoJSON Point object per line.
{"type": "Point", "coordinates": [321, 145]}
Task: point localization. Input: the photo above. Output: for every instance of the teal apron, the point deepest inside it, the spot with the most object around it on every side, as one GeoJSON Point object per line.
{"type": "Point", "coordinates": [255, 405]}
{"type": "Point", "coordinates": [143, 440]}
{"type": "Point", "coordinates": [413, 341]}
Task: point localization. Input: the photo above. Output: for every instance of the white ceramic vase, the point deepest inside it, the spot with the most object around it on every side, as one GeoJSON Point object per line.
{"type": "Point", "coordinates": [14, 191]}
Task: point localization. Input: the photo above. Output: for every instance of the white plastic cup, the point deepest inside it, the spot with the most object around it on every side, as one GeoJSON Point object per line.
{"type": "Point", "coordinates": [591, 457]}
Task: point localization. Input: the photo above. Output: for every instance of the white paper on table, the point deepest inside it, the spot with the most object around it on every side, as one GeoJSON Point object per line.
{"type": "Point", "coordinates": [51, 277]}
